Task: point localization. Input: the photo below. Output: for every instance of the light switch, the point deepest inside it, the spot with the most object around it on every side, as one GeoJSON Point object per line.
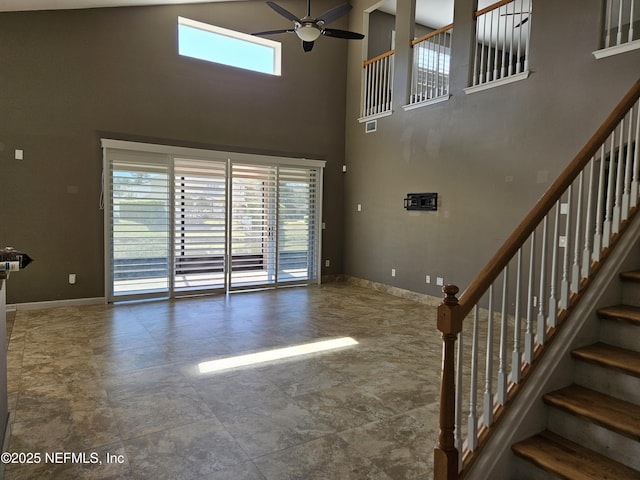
{"type": "Point", "coordinates": [19, 154]}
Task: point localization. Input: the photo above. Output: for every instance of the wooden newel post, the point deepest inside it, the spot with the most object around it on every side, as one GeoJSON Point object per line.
{"type": "Point", "coordinates": [445, 456]}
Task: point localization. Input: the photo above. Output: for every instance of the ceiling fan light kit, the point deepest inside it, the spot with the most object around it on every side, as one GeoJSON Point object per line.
{"type": "Point", "coordinates": [309, 29]}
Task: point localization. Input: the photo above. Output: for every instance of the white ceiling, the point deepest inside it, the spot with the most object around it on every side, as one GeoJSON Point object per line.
{"type": "Point", "coordinates": [19, 5]}
{"type": "Point", "coordinates": [433, 13]}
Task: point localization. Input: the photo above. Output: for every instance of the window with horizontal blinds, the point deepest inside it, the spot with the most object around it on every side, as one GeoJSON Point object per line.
{"type": "Point", "coordinates": [297, 203]}
{"type": "Point", "coordinates": [184, 221]}
{"type": "Point", "coordinates": [199, 224]}
{"type": "Point", "coordinates": [253, 225]}
{"type": "Point", "coordinates": [138, 224]}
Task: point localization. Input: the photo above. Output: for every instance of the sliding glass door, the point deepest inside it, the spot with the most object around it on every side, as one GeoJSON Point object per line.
{"type": "Point", "coordinates": [182, 224]}
{"type": "Point", "coordinates": [253, 225]}
{"type": "Point", "coordinates": [199, 231]}
{"type": "Point", "coordinates": [297, 232]}
{"type": "Point", "coordinates": [138, 230]}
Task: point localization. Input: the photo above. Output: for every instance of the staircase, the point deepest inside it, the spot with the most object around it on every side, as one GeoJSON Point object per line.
{"type": "Point", "coordinates": [593, 425]}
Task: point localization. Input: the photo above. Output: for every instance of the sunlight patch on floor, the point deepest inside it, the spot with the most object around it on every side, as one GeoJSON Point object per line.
{"type": "Point", "coordinates": [276, 354]}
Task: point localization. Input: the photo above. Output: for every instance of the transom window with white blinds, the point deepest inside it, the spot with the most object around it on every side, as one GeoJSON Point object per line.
{"type": "Point", "coordinates": [181, 221]}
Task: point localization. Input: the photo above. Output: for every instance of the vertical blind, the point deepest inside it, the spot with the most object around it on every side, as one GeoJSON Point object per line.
{"type": "Point", "coordinates": [184, 221]}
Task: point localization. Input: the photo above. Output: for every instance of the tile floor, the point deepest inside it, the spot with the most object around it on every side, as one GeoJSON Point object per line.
{"type": "Point", "coordinates": [119, 388]}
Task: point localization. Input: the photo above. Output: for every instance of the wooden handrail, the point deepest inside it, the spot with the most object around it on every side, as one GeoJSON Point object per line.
{"type": "Point", "coordinates": [496, 265]}
{"type": "Point", "coordinates": [493, 7]}
{"type": "Point", "coordinates": [379, 57]}
{"type": "Point", "coordinates": [431, 34]}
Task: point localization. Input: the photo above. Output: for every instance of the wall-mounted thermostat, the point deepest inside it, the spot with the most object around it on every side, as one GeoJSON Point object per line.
{"type": "Point", "coordinates": [421, 201]}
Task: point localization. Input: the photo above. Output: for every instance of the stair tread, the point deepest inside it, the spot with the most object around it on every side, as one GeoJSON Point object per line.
{"type": "Point", "coordinates": [610, 356]}
{"type": "Point", "coordinates": [633, 276]}
{"type": "Point", "coordinates": [609, 412]}
{"type": "Point", "coordinates": [570, 460]}
{"type": "Point", "coordinates": [627, 313]}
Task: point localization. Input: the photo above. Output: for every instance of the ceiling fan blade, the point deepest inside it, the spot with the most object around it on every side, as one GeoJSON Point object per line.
{"type": "Point", "coordinates": [334, 13]}
{"type": "Point", "coordinates": [273, 32]}
{"type": "Point", "coordinates": [285, 13]}
{"type": "Point", "coordinates": [307, 46]}
{"type": "Point", "coordinates": [334, 32]}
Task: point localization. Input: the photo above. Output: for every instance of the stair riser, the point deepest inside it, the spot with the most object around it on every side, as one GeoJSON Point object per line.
{"type": "Point", "coordinates": [595, 437]}
{"type": "Point", "coordinates": [631, 293]}
{"type": "Point", "coordinates": [525, 470]}
{"type": "Point", "coordinates": [621, 334]}
{"type": "Point", "coordinates": [610, 382]}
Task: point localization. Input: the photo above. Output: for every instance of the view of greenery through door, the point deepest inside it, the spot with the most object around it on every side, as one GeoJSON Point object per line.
{"type": "Point", "coordinates": [180, 226]}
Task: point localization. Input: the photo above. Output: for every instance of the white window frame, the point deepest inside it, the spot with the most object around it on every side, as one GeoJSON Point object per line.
{"type": "Point", "coordinates": [276, 47]}
{"type": "Point", "coordinates": [167, 155]}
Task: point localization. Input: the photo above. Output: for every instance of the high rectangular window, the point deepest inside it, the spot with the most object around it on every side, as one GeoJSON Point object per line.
{"type": "Point", "coordinates": [228, 47]}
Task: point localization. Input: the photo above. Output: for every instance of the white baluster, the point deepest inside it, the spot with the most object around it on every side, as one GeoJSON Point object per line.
{"type": "Point", "coordinates": [503, 66]}
{"type": "Point", "coordinates": [553, 302]}
{"type": "Point", "coordinates": [586, 253]}
{"type": "Point", "coordinates": [527, 42]}
{"type": "Point", "coordinates": [631, 13]}
{"type": "Point", "coordinates": [575, 272]}
{"type": "Point", "coordinates": [389, 83]}
{"type": "Point", "coordinates": [414, 76]}
{"type": "Point", "coordinates": [619, 36]}
{"type": "Point", "coordinates": [617, 207]}
{"type": "Point", "coordinates": [502, 359]}
{"type": "Point", "coordinates": [516, 357]}
{"type": "Point", "coordinates": [458, 410]}
{"type": "Point", "coordinates": [483, 77]}
{"type": "Point", "coordinates": [626, 194]}
{"type": "Point", "coordinates": [607, 225]}
{"type": "Point", "coordinates": [496, 49]}
{"type": "Point", "coordinates": [542, 319]}
{"type": "Point", "coordinates": [472, 423]}
{"type": "Point", "coordinates": [636, 157]}
{"type": "Point", "coordinates": [607, 41]}
{"type": "Point", "coordinates": [370, 89]}
{"type": "Point", "coordinates": [519, 65]}
{"type": "Point", "coordinates": [434, 70]}
{"type": "Point", "coordinates": [382, 84]}
{"type": "Point", "coordinates": [511, 36]}
{"type": "Point", "coordinates": [564, 284]}
{"type": "Point", "coordinates": [528, 336]}
{"type": "Point", "coordinates": [487, 417]}
{"type": "Point", "coordinates": [600, 206]}
{"type": "Point", "coordinates": [476, 72]}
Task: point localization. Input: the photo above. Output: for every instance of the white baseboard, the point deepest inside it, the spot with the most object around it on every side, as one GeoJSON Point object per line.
{"type": "Point", "coordinates": [71, 302]}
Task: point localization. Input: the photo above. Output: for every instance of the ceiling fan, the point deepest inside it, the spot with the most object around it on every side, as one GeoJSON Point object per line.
{"type": "Point", "coordinates": [308, 29]}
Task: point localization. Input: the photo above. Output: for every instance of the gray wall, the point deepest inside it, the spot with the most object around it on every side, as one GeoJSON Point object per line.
{"type": "Point", "coordinates": [68, 78]}
{"type": "Point", "coordinates": [489, 155]}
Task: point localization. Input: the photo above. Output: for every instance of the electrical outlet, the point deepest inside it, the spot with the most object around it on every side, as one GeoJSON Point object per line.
{"type": "Point", "coordinates": [359, 207]}
{"type": "Point", "coordinates": [428, 278]}
{"type": "Point", "coordinates": [393, 272]}
{"type": "Point", "coordinates": [327, 263]}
